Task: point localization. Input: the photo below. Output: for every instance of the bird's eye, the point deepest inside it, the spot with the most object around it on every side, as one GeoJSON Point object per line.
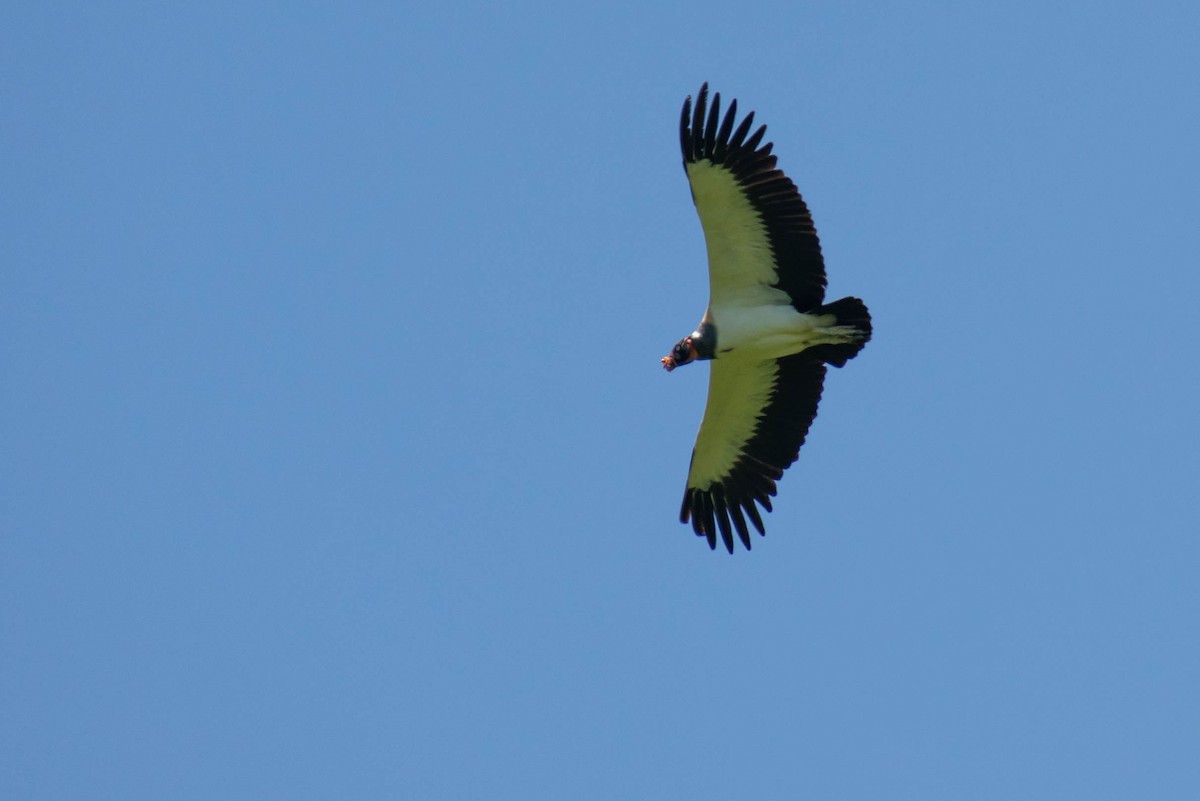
{"type": "Point", "coordinates": [681, 352]}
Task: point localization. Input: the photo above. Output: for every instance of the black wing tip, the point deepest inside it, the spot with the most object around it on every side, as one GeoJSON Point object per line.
{"type": "Point", "coordinates": [718, 519]}
{"type": "Point", "coordinates": [704, 134]}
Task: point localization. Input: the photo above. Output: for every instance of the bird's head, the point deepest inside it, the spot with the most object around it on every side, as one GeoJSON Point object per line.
{"type": "Point", "coordinates": [683, 352]}
{"type": "Point", "coordinates": [700, 344]}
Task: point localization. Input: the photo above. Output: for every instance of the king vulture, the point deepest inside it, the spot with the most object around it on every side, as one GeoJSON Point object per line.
{"type": "Point", "coordinates": [767, 328]}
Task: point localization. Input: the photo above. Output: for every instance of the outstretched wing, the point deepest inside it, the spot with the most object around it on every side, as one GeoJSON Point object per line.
{"type": "Point", "coordinates": [757, 416]}
{"type": "Point", "coordinates": [762, 245]}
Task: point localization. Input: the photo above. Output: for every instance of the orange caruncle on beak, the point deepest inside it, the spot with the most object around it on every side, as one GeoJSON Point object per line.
{"type": "Point", "coordinates": [668, 362]}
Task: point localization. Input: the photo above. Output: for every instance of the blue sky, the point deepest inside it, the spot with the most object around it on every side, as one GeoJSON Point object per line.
{"type": "Point", "coordinates": [338, 462]}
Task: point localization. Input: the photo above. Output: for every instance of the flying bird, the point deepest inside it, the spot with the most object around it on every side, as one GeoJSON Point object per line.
{"type": "Point", "coordinates": [767, 328]}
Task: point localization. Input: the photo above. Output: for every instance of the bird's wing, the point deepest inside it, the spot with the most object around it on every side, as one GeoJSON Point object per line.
{"type": "Point", "coordinates": [756, 419]}
{"type": "Point", "coordinates": [762, 246]}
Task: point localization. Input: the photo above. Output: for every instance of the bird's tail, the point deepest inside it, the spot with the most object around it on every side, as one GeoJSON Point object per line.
{"type": "Point", "coordinates": [853, 327]}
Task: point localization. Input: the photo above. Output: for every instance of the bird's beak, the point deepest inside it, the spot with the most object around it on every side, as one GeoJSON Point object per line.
{"type": "Point", "coordinates": [668, 362]}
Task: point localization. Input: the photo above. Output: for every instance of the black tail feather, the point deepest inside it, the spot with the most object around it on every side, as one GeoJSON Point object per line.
{"type": "Point", "coordinates": [849, 312]}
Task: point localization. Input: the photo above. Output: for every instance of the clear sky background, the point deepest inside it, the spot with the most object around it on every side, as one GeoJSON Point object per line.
{"type": "Point", "coordinates": [338, 461]}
